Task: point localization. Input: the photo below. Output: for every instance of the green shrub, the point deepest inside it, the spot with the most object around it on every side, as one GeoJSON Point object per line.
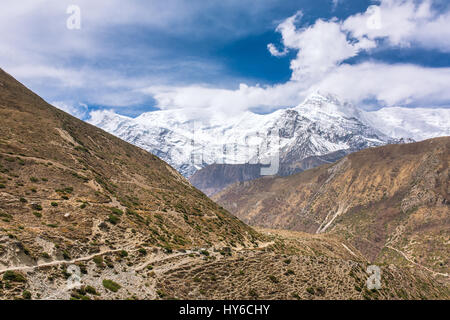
{"type": "Point", "coordinates": [23, 200]}
{"type": "Point", "coordinates": [116, 211]}
{"type": "Point", "coordinates": [2, 186]}
{"type": "Point", "coordinates": [296, 296]}
{"type": "Point", "coordinates": [168, 250]}
{"type": "Point", "coordinates": [37, 214]}
{"type": "Point", "coordinates": [13, 277]}
{"type": "Point", "coordinates": [273, 279]}
{"type": "Point", "coordinates": [204, 252]}
{"type": "Point", "coordinates": [91, 290]}
{"type": "Point", "coordinates": [98, 260]}
{"type": "Point", "coordinates": [26, 295]}
{"type": "Point", "coordinates": [113, 219]}
{"type": "Point", "coordinates": [310, 290]}
{"type": "Point", "coordinates": [142, 251]}
{"type": "Point", "coordinates": [54, 204]}
{"type": "Point", "coordinates": [83, 205]}
{"type": "Point", "coordinates": [123, 253]}
{"type": "Point", "coordinates": [34, 179]}
{"type": "Point", "coordinates": [160, 293]}
{"type": "Point", "coordinates": [111, 285]}
{"type": "Point", "coordinates": [66, 255]}
{"type": "Point", "coordinates": [68, 189]}
{"type": "Point", "coordinates": [45, 255]}
{"type": "Point", "coordinates": [36, 206]}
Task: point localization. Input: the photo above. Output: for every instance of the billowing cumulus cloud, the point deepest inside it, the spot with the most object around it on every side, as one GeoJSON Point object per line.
{"type": "Point", "coordinates": [403, 23]}
{"type": "Point", "coordinates": [320, 63]}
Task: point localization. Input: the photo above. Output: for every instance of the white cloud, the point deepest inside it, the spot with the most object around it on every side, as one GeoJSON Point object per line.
{"type": "Point", "coordinates": [79, 110]}
{"type": "Point", "coordinates": [227, 101]}
{"type": "Point", "coordinates": [320, 47]}
{"type": "Point", "coordinates": [275, 52]}
{"type": "Point", "coordinates": [392, 85]}
{"type": "Point", "coordinates": [403, 23]}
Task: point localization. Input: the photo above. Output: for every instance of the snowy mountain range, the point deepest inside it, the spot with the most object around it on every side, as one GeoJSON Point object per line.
{"type": "Point", "coordinates": [321, 125]}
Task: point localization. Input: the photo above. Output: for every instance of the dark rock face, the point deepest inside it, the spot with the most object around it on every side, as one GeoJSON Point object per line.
{"type": "Point", "coordinates": [216, 177]}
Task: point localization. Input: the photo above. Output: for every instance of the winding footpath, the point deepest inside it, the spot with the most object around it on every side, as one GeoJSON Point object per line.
{"type": "Point", "coordinates": [417, 264]}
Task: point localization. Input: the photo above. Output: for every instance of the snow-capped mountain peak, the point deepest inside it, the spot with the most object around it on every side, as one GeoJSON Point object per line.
{"type": "Point", "coordinates": [321, 104]}
{"type": "Point", "coordinates": [320, 125]}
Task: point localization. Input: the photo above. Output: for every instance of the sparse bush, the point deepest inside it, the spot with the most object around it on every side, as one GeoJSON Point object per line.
{"type": "Point", "coordinates": [26, 295]}
{"type": "Point", "coordinates": [2, 186]}
{"type": "Point", "coordinates": [123, 253]}
{"type": "Point", "coordinates": [36, 206]}
{"type": "Point", "coordinates": [273, 279]}
{"type": "Point", "coordinates": [289, 272]}
{"type": "Point", "coordinates": [45, 255]}
{"type": "Point", "coordinates": [296, 296]}
{"type": "Point", "coordinates": [310, 290]}
{"type": "Point", "coordinates": [113, 219]}
{"type": "Point", "coordinates": [37, 214]}
{"type": "Point", "coordinates": [91, 290]}
{"type": "Point", "coordinates": [13, 277]}
{"type": "Point", "coordinates": [142, 251]}
{"type": "Point", "coordinates": [111, 285]}
{"type": "Point", "coordinates": [54, 204]}
{"type": "Point", "coordinates": [34, 179]}
{"type": "Point", "coordinates": [160, 293]}
{"type": "Point", "coordinates": [116, 211]}
{"type": "Point", "coordinates": [168, 250]}
{"type": "Point", "coordinates": [23, 200]}
{"type": "Point", "coordinates": [66, 255]}
{"type": "Point", "coordinates": [98, 261]}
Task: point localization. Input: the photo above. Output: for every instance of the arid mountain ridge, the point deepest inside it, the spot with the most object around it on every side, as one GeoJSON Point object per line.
{"type": "Point", "coordinates": [390, 202]}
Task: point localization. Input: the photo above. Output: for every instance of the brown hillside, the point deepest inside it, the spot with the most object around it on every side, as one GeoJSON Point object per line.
{"type": "Point", "coordinates": [391, 202]}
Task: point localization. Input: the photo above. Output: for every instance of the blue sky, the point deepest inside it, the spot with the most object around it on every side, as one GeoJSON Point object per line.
{"type": "Point", "coordinates": [138, 56]}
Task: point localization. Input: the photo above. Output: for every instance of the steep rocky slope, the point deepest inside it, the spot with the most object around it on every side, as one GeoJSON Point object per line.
{"type": "Point", "coordinates": [390, 202]}
{"type": "Point", "coordinates": [70, 190]}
